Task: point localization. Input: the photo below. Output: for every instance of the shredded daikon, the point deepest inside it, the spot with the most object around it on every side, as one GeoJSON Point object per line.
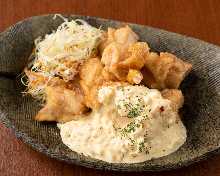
{"type": "Point", "coordinates": [73, 41]}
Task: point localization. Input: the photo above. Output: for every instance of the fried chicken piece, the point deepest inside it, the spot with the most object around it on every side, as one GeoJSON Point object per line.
{"type": "Point", "coordinates": [134, 76]}
{"type": "Point", "coordinates": [64, 100]}
{"type": "Point", "coordinates": [166, 71]}
{"type": "Point", "coordinates": [37, 83]}
{"type": "Point", "coordinates": [110, 58]}
{"type": "Point", "coordinates": [177, 73]}
{"type": "Point", "coordinates": [62, 104]}
{"type": "Point", "coordinates": [107, 38]}
{"type": "Point", "coordinates": [175, 96]}
{"type": "Point", "coordinates": [90, 71]}
{"type": "Point", "coordinates": [114, 49]}
{"type": "Point", "coordinates": [37, 79]}
{"type": "Point", "coordinates": [108, 76]}
{"type": "Point", "coordinates": [135, 56]}
{"type": "Point", "coordinates": [123, 36]}
{"type": "Point", "coordinates": [119, 64]}
{"type": "Point", "coordinates": [111, 55]}
{"type": "Point", "coordinates": [116, 44]}
{"type": "Point", "coordinates": [148, 79]}
{"type": "Point", "coordinates": [135, 60]}
{"type": "Point", "coordinates": [91, 77]}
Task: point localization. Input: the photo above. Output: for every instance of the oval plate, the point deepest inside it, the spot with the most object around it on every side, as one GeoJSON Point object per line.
{"type": "Point", "coordinates": [201, 88]}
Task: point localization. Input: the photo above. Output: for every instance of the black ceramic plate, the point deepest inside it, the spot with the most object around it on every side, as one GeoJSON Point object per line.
{"type": "Point", "coordinates": [201, 112]}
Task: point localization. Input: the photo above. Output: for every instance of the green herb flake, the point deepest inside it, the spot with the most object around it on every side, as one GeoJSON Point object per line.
{"type": "Point", "coordinates": [134, 112]}
{"type": "Point", "coordinates": [141, 147]}
{"type": "Point", "coordinates": [131, 127]}
{"type": "Point", "coordinates": [132, 141]}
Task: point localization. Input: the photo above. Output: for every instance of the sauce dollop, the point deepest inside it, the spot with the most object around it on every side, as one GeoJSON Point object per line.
{"type": "Point", "coordinates": [134, 124]}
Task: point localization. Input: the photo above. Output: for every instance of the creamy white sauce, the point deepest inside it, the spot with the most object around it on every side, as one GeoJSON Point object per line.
{"type": "Point", "coordinates": [134, 124]}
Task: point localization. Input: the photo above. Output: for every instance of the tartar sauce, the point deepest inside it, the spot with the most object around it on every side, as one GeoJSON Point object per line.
{"type": "Point", "coordinates": [134, 124]}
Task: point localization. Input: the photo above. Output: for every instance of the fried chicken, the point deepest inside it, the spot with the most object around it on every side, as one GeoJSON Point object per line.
{"type": "Point", "coordinates": [119, 64]}
{"type": "Point", "coordinates": [124, 61]}
{"type": "Point", "coordinates": [175, 96]}
{"type": "Point", "coordinates": [114, 50]}
{"type": "Point", "coordinates": [91, 77]}
{"type": "Point", "coordinates": [165, 71]}
{"type": "Point", "coordinates": [123, 36]}
{"type": "Point", "coordinates": [62, 104]}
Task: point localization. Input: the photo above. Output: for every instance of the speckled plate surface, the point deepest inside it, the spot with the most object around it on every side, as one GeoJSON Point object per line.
{"type": "Point", "coordinates": [201, 112]}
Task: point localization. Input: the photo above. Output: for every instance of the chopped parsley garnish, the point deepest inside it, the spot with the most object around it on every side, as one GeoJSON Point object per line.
{"type": "Point", "coordinates": [141, 147]}
{"type": "Point", "coordinates": [132, 141]}
{"type": "Point", "coordinates": [134, 112]}
{"type": "Point", "coordinates": [127, 105]}
{"type": "Point", "coordinates": [131, 127]}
